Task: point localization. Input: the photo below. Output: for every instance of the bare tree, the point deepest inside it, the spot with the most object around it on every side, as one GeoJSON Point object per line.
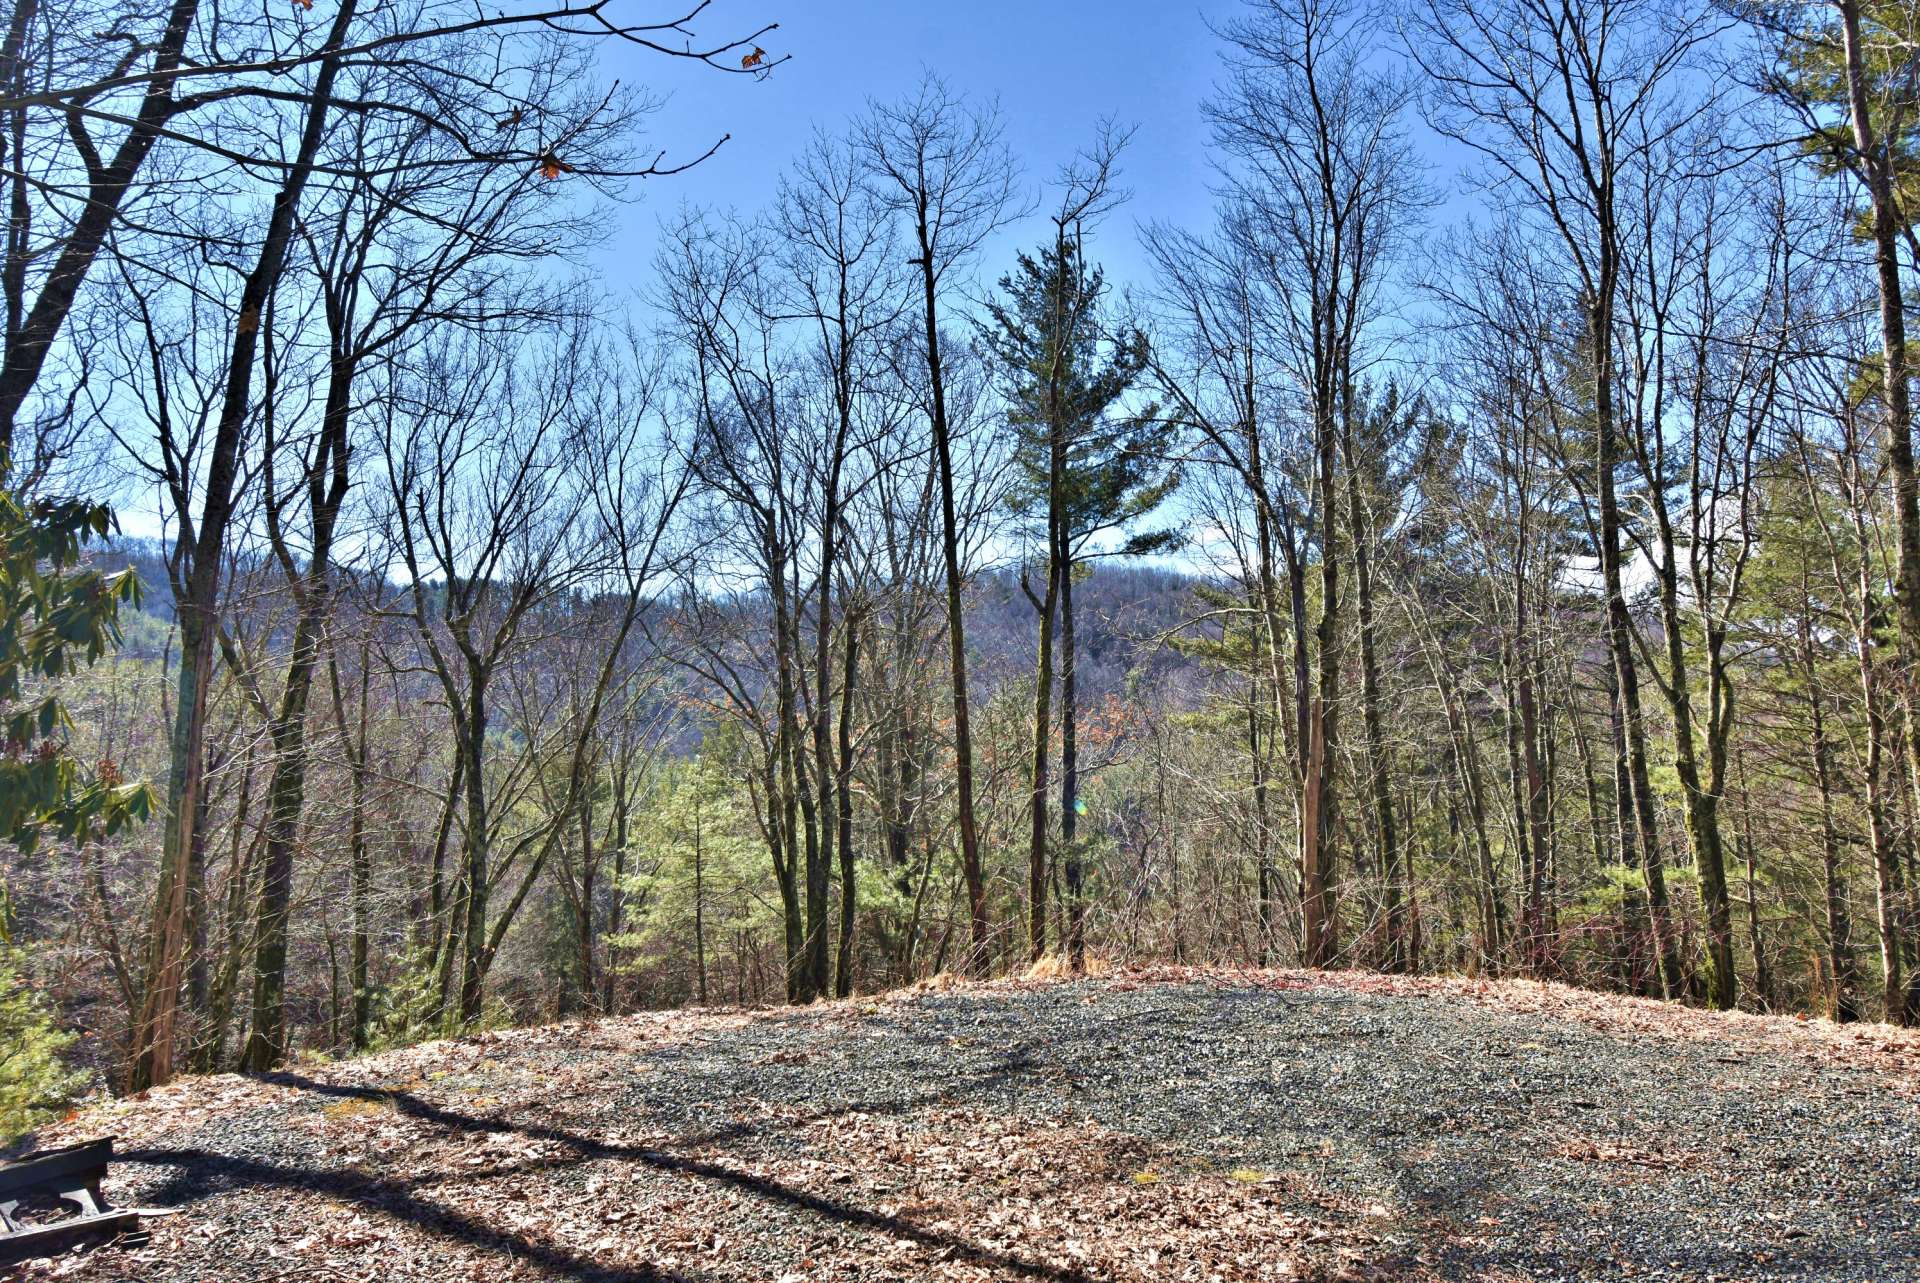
{"type": "Point", "coordinates": [1322, 188]}
{"type": "Point", "coordinates": [412, 238]}
{"type": "Point", "coordinates": [1562, 109]}
{"type": "Point", "coordinates": [86, 116]}
{"type": "Point", "coordinates": [939, 164]}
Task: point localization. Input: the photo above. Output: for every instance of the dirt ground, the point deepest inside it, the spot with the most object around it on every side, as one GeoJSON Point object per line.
{"type": "Point", "coordinates": [1162, 1125]}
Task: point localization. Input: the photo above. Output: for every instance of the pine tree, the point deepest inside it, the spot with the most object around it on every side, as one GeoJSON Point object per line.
{"type": "Point", "coordinates": [34, 1081]}
{"type": "Point", "coordinates": [1087, 471]}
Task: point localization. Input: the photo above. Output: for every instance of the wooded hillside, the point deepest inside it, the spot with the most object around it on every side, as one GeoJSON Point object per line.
{"type": "Point", "coordinates": [1488, 545]}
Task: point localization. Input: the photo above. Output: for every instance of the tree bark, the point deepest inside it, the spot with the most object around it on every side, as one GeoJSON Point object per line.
{"type": "Point", "coordinates": [1392, 957]}
{"type": "Point", "coordinates": [1843, 970]}
{"type": "Point", "coordinates": [1038, 825]}
{"type": "Point", "coordinates": [286, 792]}
{"type": "Point", "coordinates": [198, 605]}
{"type": "Point", "coordinates": [29, 342]}
{"type": "Point", "coordinates": [843, 789]}
{"type": "Point", "coordinates": [977, 956]}
{"type": "Point", "coordinates": [1619, 628]}
{"type": "Point", "coordinates": [1070, 779]}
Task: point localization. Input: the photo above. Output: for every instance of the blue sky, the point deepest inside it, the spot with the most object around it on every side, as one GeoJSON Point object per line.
{"type": "Point", "coordinates": [1056, 67]}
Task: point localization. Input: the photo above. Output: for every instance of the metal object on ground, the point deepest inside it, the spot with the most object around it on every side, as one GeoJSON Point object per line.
{"type": "Point", "coordinates": [73, 1174]}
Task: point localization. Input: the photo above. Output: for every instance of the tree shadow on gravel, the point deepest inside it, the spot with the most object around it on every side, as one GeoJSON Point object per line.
{"type": "Point", "coordinates": [203, 1173]}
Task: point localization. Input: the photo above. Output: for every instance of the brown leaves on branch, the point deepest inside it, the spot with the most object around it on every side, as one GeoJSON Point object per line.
{"type": "Point", "coordinates": [551, 166]}
{"type": "Point", "coordinates": [754, 59]}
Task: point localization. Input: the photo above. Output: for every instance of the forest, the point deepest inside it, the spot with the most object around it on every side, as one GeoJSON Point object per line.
{"type": "Point", "coordinates": [1488, 546]}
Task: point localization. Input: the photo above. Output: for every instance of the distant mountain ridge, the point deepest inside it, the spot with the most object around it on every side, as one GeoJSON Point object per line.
{"type": "Point", "coordinates": [1123, 613]}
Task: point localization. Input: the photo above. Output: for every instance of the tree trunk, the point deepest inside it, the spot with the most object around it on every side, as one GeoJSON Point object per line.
{"type": "Point", "coordinates": [1042, 753]}
{"type": "Point", "coordinates": [1319, 931]}
{"type": "Point", "coordinates": [361, 859]}
{"type": "Point", "coordinates": [31, 339]}
{"type": "Point", "coordinates": [843, 788]}
{"type": "Point", "coordinates": [473, 933]}
{"type": "Point", "coordinates": [1842, 967]}
{"type": "Point", "coordinates": [1537, 812]}
{"type": "Point", "coordinates": [820, 852]}
{"type": "Point", "coordinates": [1875, 171]}
{"type": "Point", "coordinates": [198, 604]}
{"type": "Point", "coordinates": [617, 900]}
{"type": "Point", "coordinates": [956, 624]}
{"type": "Point", "coordinates": [586, 983]}
{"type": "Point", "coordinates": [699, 900]}
{"type": "Point", "coordinates": [1070, 779]}
{"type": "Point", "coordinates": [1392, 955]}
{"type": "Point", "coordinates": [1619, 629]}
{"type": "Point", "coordinates": [1269, 601]}
{"type": "Point", "coordinates": [783, 785]}
{"type": "Point", "coordinates": [286, 792]}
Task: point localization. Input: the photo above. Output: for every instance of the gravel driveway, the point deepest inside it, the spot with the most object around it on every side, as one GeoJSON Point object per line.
{"type": "Point", "coordinates": [1255, 1125]}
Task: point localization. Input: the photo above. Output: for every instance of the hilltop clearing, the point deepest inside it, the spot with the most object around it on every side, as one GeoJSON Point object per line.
{"type": "Point", "coordinates": [1164, 1125]}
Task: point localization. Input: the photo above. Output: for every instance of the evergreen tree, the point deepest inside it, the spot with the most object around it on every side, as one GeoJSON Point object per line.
{"type": "Point", "coordinates": [1087, 472]}
{"type": "Point", "coordinates": [33, 1078]}
{"type": "Point", "coordinates": [55, 614]}
{"type": "Point", "coordinates": [690, 893]}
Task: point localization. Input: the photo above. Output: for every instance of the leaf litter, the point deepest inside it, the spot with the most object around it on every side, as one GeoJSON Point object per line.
{"type": "Point", "coordinates": [1177, 1124]}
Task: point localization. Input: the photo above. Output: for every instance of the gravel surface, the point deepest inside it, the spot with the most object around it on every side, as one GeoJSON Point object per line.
{"type": "Point", "coordinates": [1250, 1125]}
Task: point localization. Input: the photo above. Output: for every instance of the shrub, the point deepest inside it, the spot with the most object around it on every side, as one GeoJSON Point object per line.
{"type": "Point", "coordinates": [35, 1082]}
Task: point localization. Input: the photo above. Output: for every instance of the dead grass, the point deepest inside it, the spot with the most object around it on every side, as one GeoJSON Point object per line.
{"type": "Point", "coordinates": [1055, 966]}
